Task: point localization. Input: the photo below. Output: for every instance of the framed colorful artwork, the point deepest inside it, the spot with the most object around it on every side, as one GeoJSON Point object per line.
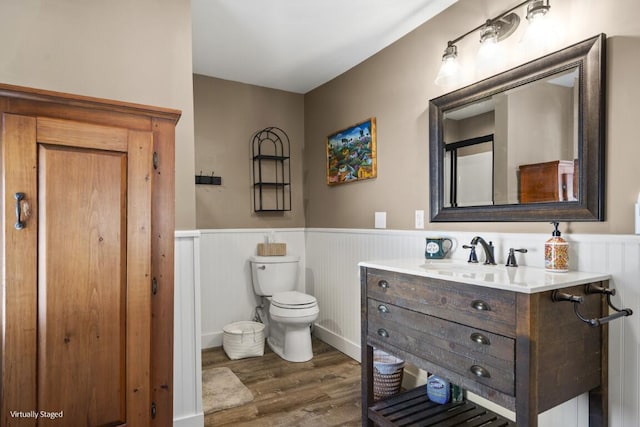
{"type": "Point", "coordinates": [351, 153]}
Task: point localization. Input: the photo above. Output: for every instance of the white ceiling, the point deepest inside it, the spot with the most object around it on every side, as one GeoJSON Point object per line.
{"type": "Point", "coordinates": [297, 45]}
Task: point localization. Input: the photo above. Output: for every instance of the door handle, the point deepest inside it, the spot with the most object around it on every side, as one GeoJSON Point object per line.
{"type": "Point", "coordinates": [262, 267]}
{"type": "Point", "coordinates": [19, 224]}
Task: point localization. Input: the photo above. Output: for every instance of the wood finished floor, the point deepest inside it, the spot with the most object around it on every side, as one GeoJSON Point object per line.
{"type": "Point", "coordinates": [323, 392]}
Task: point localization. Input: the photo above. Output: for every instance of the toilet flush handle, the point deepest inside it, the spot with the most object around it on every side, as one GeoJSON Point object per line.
{"type": "Point", "coordinates": [262, 267]}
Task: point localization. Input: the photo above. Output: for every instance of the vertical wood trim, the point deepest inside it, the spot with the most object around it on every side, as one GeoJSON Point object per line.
{"type": "Point", "coordinates": [527, 359]}
{"type": "Point", "coordinates": [187, 385]}
{"type": "Point", "coordinates": [367, 352]}
{"type": "Point", "coordinates": [163, 226]}
{"type": "Point", "coordinates": [139, 278]}
{"type": "Point", "coordinates": [197, 327]}
{"type": "Point", "coordinates": [19, 285]}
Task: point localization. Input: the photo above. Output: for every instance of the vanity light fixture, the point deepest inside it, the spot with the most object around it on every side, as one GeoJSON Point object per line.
{"type": "Point", "coordinates": [489, 36]}
{"type": "Point", "coordinates": [489, 56]}
{"type": "Point", "coordinates": [538, 33]}
{"type": "Point", "coordinates": [537, 9]}
{"type": "Point", "coordinates": [449, 70]}
{"type": "Point", "coordinates": [491, 33]}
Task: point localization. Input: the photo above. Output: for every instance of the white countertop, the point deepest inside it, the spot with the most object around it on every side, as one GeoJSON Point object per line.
{"type": "Point", "coordinates": [523, 279]}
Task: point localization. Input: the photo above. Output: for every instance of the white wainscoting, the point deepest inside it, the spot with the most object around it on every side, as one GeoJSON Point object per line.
{"type": "Point", "coordinates": [329, 263]}
{"type": "Point", "coordinates": [227, 291]}
{"type": "Point", "coordinates": [187, 363]}
{"type": "Point", "coordinates": [332, 276]}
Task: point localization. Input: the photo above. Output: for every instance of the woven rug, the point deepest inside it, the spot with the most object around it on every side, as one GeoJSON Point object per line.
{"type": "Point", "coordinates": [221, 389]}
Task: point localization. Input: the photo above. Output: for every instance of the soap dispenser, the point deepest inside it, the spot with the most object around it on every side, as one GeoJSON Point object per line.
{"type": "Point", "coordinates": [556, 252]}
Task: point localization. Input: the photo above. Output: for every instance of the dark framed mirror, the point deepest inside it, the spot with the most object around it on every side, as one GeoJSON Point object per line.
{"type": "Point", "coordinates": [524, 145]}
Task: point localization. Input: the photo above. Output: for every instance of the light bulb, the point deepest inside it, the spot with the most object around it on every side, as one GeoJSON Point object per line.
{"type": "Point", "coordinates": [488, 49]}
{"type": "Point", "coordinates": [539, 35]}
{"type": "Point", "coordinates": [450, 69]}
{"type": "Point", "coordinates": [490, 58]}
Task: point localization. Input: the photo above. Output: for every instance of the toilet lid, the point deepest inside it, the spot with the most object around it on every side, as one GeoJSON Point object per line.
{"type": "Point", "coordinates": [293, 299]}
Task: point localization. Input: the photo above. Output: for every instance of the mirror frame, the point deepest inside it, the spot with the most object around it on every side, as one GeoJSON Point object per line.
{"type": "Point", "coordinates": [589, 57]}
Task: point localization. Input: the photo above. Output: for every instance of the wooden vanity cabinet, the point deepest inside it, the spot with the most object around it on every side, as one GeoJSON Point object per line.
{"type": "Point", "coordinates": [87, 247]}
{"type": "Point", "coordinates": [522, 351]}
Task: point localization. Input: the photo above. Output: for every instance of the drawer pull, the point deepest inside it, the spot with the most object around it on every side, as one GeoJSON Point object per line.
{"type": "Point", "coordinates": [383, 333]}
{"type": "Point", "coordinates": [480, 339]}
{"type": "Point", "coordinates": [383, 284]}
{"type": "Point", "coordinates": [383, 308]}
{"type": "Point", "coordinates": [479, 371]}
{"type": "Point", "coordinates": [480, 305]}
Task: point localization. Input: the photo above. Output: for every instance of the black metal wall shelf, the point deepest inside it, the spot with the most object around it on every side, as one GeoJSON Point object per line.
{"type": "Point", "coordinates": [271, 150]}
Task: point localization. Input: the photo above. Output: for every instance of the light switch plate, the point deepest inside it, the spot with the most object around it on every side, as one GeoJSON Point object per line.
{"type": "Point", "coordinates": [420, 219]}
{"type": "Point", "coordinates": [381, 220]}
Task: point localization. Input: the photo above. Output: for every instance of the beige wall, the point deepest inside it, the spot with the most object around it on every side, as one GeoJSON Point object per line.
{"type": "Point", "coordinates": [227, 114]}
{"type": "Point", "coordinates": [141, 52]}
{"type": "Point", "coordinates": [135, 51]}
{"type": "Point", "coordinates": [396, 85]}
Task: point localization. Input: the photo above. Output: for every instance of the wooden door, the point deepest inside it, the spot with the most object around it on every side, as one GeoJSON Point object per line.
{"type": "Point", "coordinates": [77, 339]}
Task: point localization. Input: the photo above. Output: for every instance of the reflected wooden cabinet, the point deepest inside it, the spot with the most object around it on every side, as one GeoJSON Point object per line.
{"type": "Point", "coordinates": [548, 182]}
{"type": "Point", "coordinates": [87, 245]}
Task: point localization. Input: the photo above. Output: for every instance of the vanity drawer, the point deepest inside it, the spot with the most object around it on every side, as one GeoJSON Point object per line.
{"type": "Point", "coordinates": [492, 310]}
{"type": "Point", "coordinates": [474, 353]}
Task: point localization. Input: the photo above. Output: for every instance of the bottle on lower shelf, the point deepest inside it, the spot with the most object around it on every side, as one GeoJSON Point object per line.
{"type": "Point", "coordinates": [457, 394]}
{"type": "Point", "coordinates": [438, 389]}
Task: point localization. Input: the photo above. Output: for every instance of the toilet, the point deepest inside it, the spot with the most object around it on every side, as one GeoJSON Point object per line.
{"type": "Point", "coordinates": [290, 313]}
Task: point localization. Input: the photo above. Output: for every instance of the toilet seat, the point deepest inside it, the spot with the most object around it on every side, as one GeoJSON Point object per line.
{"type": "Point", "coordinates": [293, 300]}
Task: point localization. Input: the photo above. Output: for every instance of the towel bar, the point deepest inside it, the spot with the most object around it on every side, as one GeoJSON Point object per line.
{"type": "Point", "coordinates": [590, 289]}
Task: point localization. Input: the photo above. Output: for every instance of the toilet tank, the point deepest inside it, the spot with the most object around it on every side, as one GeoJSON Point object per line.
{"type": "Point", "coordinates": [272, 274]}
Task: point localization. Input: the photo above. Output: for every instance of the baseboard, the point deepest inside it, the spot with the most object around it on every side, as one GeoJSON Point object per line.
{"type": "Point", "coordinates": [212, 339]}
{"type": "Point", "coordinates": [339, 343]}
{"type": "Point", "coordinates": [413, 377]}
{"type": "Point", "coordinates": [196, 420]}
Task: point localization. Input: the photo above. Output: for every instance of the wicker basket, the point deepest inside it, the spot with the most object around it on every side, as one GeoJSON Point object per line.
{"type": "Point", "coordinates": [387, 374]}
{"type": "Point", "coordinates": [243, 339]}
{"type": "Point", "coordinates": [272, 249]}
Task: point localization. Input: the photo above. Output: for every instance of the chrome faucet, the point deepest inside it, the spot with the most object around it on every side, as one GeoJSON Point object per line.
{"type": "Point", "coordinates": [488, 249]}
